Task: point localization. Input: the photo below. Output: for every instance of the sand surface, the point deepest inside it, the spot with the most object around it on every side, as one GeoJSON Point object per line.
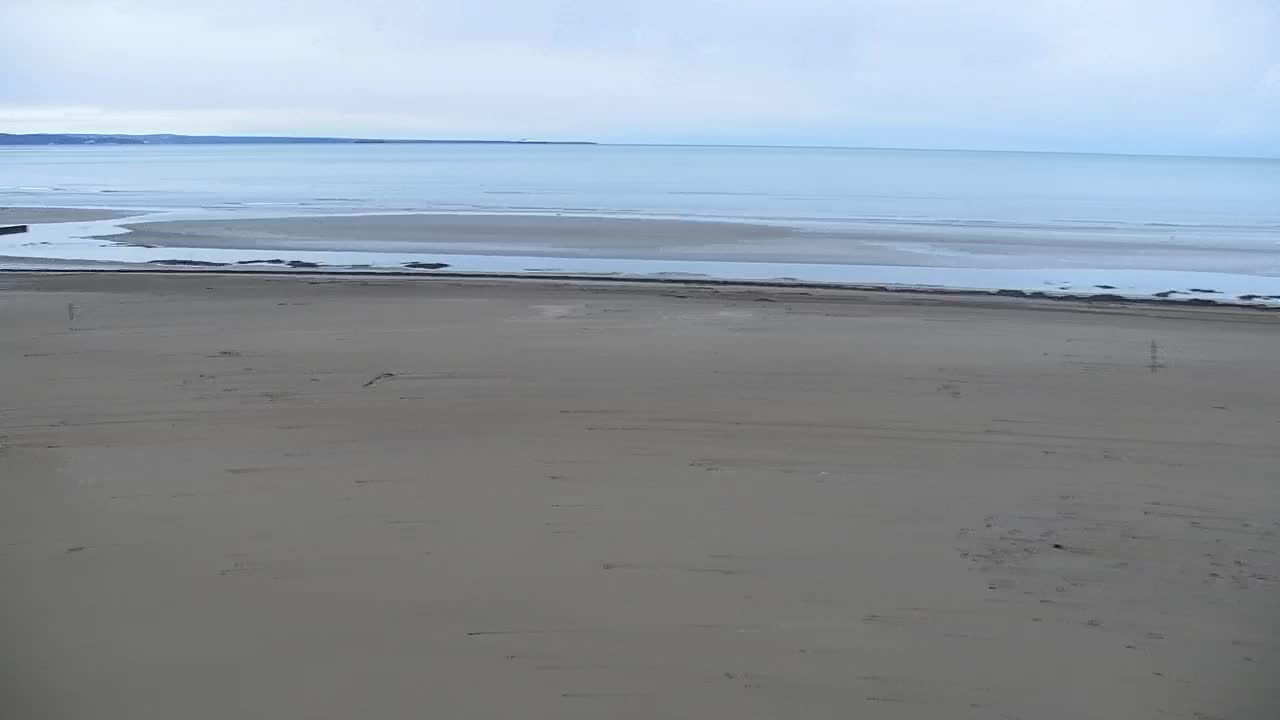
{"type": "Point", "coordinates": [966, 259]}
{"type": "Point", "coordinates": [697, 241]}
{"type": "Point", "coordinates": [496, 234]}
{"type": "Point", "coordinates": [250, 497]}
{"type": "Point", "coordinates": [37, 215]}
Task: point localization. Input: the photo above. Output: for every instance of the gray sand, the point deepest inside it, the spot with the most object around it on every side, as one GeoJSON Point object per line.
{"type": "Point", "coordinates": [37, 215]}
{"type": "Point", "coordinates": [638, 238]}
{"type": "Point", "coordinates": [263, 497]}
{"type": "Point", "coordinates": [514, 234]}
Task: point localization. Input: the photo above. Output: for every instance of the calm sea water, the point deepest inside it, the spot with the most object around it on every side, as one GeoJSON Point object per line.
{"type": "Point", "coordinates": [934, 208]}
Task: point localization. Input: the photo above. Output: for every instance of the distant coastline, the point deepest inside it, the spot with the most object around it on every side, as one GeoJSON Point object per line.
{"type": "Point", "coordinates": [167, 139]}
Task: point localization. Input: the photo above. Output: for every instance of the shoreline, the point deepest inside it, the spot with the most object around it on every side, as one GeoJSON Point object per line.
{"type": "Point", "coordinates": [43, 215]}
{"type": "Point", "coordinates": [654, 237]}
{"type": "Point", "coordinates": [570, 247]}
{"type": "Point", "coordinates": [588, 281]}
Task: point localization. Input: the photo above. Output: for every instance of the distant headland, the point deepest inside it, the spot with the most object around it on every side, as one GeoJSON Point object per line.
{"type": "Point", "coordinates": [101, 139]}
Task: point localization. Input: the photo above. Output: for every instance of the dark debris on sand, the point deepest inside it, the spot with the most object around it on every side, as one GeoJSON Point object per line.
{"type": "Point", "coordinates": [188, 263]}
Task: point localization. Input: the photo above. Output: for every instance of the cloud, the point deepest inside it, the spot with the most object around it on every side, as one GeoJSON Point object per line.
{"type": "Point", "coordinates": [1168, 75]}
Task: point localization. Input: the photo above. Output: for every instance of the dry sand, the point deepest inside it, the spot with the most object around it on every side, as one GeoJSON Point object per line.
{"type": "Point", "coordinates": [249, 497]}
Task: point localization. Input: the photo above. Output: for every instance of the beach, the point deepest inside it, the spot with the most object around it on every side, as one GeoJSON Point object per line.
{"type": "Point", "coordinates": [320, 497]}
{"type": "Point", "coordinates": [482, 233]}
{"type": "Point", "coordinates": [38, 215]}
{"type": "Point", "coordinates": [1174, 228]}
{"type": "Point", "coordinates": [694, 241]}
{"type": "Point", "coordinates": [649, 249]}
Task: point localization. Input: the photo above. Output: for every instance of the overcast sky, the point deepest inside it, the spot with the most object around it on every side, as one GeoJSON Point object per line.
{"type": "Point", "coordinates": [1191, 76]}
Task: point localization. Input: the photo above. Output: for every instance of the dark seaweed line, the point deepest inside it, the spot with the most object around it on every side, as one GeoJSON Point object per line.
{"type": "Point", "coordinates": [686, 282]}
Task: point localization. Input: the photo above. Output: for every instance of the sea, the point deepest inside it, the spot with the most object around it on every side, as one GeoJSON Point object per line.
{"type": "Point", "coordinates": [1171, 227]}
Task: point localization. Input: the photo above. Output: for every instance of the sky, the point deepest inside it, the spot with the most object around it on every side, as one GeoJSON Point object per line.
{"type": "Point", "coordinates": [1161, 76]}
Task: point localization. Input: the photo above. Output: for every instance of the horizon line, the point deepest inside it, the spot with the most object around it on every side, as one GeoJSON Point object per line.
{"type": "Point", "coordinates": [896, 148]}
{"type": "Point", "coordinates": [532, 141]}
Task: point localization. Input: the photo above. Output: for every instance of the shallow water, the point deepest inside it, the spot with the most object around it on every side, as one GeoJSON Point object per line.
{"type": "Point", "coordinates": [1062, 218]}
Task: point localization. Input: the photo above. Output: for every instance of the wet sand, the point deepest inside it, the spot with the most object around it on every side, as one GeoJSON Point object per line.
{"type": "Point", "coordinates": [495, 244]}
{"type": "Point", "coordinates": [480, 234]}
{"type": "Point", "coordinates": [37, 215]}
{"type": "Point", "coordinates": [322, 498]}
{"type": "Point", "coordinates": [689, 240]}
